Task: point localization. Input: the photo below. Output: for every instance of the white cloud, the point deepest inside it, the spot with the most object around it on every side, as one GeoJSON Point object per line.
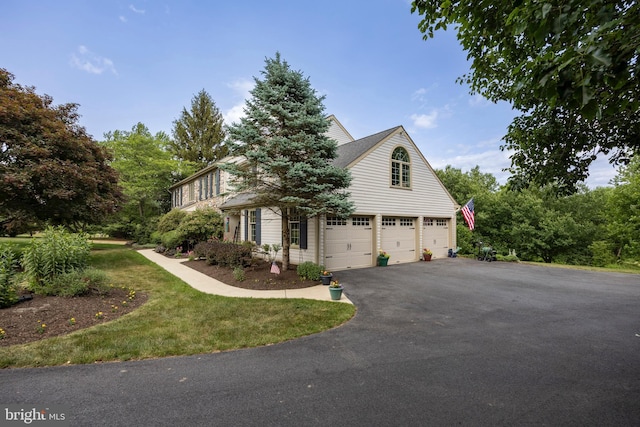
{"type": "Point", "coordinates": [478, 100]}
{"type": "Point", "coordinates": [122, 18]}
{"type": "Point", "coordinates": [241, 87]}
{"type": "Point", "coordinates": [85, 60]}
{"type": "Point", "coordinates": [490, 161]}
{"type": "Point", "coordinates": [134, 9]}
{"type": "Point", "coordinates": [425, 121]}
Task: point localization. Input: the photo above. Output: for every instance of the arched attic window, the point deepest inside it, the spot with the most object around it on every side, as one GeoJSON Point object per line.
{"type": "Point", "coordinates": [400, 168]}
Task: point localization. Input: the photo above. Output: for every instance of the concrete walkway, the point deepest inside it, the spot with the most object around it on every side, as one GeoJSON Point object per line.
{"type": "Point", "coordinates": [209, 285]}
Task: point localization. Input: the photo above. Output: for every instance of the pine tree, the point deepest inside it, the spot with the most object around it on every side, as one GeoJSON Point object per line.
{"type": "Point", "coordinates": [198, 135]}
{"type": "Point", "coordinates": [287, 156]}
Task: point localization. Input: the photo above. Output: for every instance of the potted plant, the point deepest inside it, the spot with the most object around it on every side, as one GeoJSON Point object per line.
{"type": "Point", "coordinates": [383, 258]}
{"type": "Point", "coordinates": [326, 276]}
{"type": "Point", "coordinates": [427, 254]}
{"type": "Point", "coordinates": [335, 289]}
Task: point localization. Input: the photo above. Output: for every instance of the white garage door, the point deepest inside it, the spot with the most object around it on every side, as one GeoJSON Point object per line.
{"type": "Point", "coordinates": [398, 239]}
{"type": "Point", "coordinates": [435, 236]}
{"type": "Point", "coordinates": [348, 243]}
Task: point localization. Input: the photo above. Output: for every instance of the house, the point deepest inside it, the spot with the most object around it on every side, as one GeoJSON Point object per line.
{"type": "Point", "coordinates": [401, 206]}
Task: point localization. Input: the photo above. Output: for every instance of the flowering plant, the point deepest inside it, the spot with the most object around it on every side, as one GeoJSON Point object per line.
{"type": "Point", "coordinates": [383, 254]}
{"type": "Point", "coordinates": [334, 284]}
{"type": "Point", "coordinates": [427, 251]}
{"type": "Point", "coordinates": [326, 273]}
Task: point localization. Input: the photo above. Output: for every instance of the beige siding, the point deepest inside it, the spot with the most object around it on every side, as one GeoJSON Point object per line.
{"type": "Point", "coordinates": [271, 232]}
{"type": "Point", "coordinates": [337, 132]}
{"type": "Point", "coordinates": [372, 192]}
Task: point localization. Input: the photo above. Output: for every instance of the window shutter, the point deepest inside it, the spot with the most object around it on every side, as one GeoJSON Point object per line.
{"type": "Point", "coordinates": [200, 189]}
{"type": "Point", "coordinates": [180, 196]}
{"type": "Point", "coordinates": [217, 182]}
{"type": "Point", "coordinates": [303, 233]}
{"type": "Point", "coordinates": [246, 225]}
{"type": "Point", "coordinates": [210, 177]}
{"type": "Point", "coordinates": [258, 227]}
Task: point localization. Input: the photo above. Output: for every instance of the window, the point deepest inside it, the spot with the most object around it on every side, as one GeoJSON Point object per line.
{"type": "Point", "coordinates": [294, 231]}
{"type": "Point", "coordinates": [388, 222]}
{"type": "Point", "coordinates": [400, 168]}
{"type": "Point", "coordinates": [332, 220]}
{"type": "Point", "coordinates": [192, 191]}
{"type": "Point", "coordinates": [441, 222]}
{"type": "Point", "coordinates": [252, 226]}
{"type": "Point", "coordinates": [360, 221]}
{"type": "Point", "coordinates": [406, 222]}
{"type": "Point", "coordinates": [428, 222]}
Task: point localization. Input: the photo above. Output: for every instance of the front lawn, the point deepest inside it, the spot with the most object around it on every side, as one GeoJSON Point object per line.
{"type": "Point", "coordinates": [176, 320]}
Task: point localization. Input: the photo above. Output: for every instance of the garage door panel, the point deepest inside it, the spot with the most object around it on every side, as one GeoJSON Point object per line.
{"type": "Point", "coordinates": [398, 239]}
{"type": "Point", "coordinates": [348, 243]}
{"type": "Point", "coordinates": [435, 236]}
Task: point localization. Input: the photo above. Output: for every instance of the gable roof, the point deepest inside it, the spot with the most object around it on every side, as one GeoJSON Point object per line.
{"type": "Point", "coordinates": [349, 152]}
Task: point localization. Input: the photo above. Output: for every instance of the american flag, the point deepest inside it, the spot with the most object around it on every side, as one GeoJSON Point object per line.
{"type": "Point", "coordinates": [274, 268]}
{"type": "Point", "coordinates": [468, 214]}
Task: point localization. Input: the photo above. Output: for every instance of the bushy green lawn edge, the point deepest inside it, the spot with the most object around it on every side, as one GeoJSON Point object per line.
{"type": "Point", "coordinates": [176, 320]}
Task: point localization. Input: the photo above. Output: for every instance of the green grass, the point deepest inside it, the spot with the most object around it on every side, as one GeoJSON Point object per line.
{"type": "Point", "coordinates": [176, 320]}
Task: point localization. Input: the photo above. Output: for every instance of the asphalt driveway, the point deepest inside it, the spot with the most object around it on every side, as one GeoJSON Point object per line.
{"type": "Point", "coordinates": [450, 342]}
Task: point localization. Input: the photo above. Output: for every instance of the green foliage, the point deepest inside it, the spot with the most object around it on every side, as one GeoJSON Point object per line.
{"type": "Point", "coordinates": [56, 253]}
{"type": "Point", "coordinates": [571, 67]}
{"type": "Point", "coordinates": [201, 225]}
{"type": "Point", "coordinates": [602, 254]}
{"type": "Point", "coordinates": [171, 220]}
{"type": "Point", "coordinates": [238, 274]}
{"type": "Point", "coordinates": [288, 158]}
{"type": "Point", "coordinates": [8, 265]}
{"type": "Point", "coordinates": [77, 283]}
{"type": "Point", "coordinates": [172, 239]}
{"type": "Point", "coordinates": [198, 135]}
{"type": "Point", "coordinates": [146, 171]}
{"type": "Point", "coordinates": [309, 270]}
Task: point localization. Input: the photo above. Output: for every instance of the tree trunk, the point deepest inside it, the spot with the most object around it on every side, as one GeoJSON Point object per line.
{"type": "Point", "coordinates": [285, 239]}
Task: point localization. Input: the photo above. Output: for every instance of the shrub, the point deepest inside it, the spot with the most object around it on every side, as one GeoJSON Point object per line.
{"type": "Point", "coordinates": [56, 253]}
{"type": "Point", "coordinates": [602, 254]}
{"type": "Point", "coordinates": [309, 270]}
{"type": "Point", "coordinates": [238, 274]}
{"type": "Point", "coordinates": [171, 220]}
{"type": "Point", "coordinates": [172, 239]}
{"type": "Point", "coordinates": [201, 225]}
{"type": "Point", "coordinates": [78, 283]}
{"type": "Point", "coordinates": [8, 264]}
{"type": "Point", "coordinates": [223, 253]}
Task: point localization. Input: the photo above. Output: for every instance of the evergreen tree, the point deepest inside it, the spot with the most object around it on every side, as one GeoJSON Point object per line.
{"type": "Point", "coordinates": [198, 135]}
{"type": "Point", "coordinates": [288, 158]}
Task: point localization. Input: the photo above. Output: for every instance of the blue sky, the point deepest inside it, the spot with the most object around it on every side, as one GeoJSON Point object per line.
{"type": "Point", "coordinates": [143, 61]}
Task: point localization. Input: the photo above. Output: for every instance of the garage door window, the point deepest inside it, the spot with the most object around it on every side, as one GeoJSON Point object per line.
{"type": "Point", "coordinates": [388, 222]}
{"type": "Point", "coordinates": [406, 222]}
{"type": "Point", "coordinates": [360, 221]}
{"type": "Point", "coordinates": [332, 220]}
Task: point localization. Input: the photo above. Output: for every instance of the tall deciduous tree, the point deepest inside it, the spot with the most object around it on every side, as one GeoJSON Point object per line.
{"type": "Point", "coordinates": [571, 64]}
{"type": "Point", "coordinates": [146, 168]}
{"type": "Point", "coordinates": [288, 157]}
{"type": "Point", "coordinates": [50, 169]}
{"type": "Point", "coordinates": [198, 135]}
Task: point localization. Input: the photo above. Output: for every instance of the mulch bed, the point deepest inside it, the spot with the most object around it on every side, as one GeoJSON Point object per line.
{"type": "Point", "coordinates": [257, 276]}
{"type": "Point", "coordinates": [22, 322]}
